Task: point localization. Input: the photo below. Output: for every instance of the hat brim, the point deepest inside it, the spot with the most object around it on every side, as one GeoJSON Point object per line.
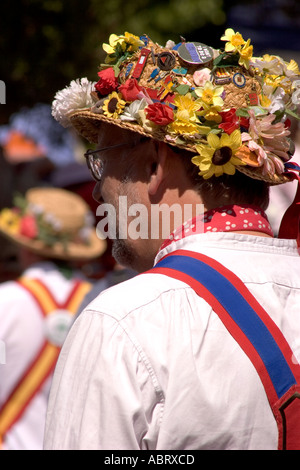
{"type": "Point", "coordinates": [96, 247]}
{"type": "Point", "coordinates": [87, 124]}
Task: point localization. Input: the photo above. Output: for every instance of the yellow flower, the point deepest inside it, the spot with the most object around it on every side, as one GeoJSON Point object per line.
{"type": "Point", "coordinates": [218, 157]}
{"type": "Point", "coordinates": [212, 114]}
{"type": "Point", "coordinates": [210, 95]}
{"type": "Point", "coordinates": [234, 40]}
{"type": "Point", "coordinates": [186, 119]}
{"type": "Point", "coordinates": [264, 101]}
{"type": "Point", "coordinates": [114, 105]}
{"type": "Point", "coordinates": [246, 54]}
{"type": "Point", "coordinates": [276, 81]}
{"type": "Point", "coordinates": [293, 67]}
{"type": "Point", "coordinates": [127, 42]}
{"type": "Point", "coordinates": [187, 107]}
{"type": "Point", "coordinates": [132, 41]}
{"type": "Point", "coordinates": [114, 40]}
{"type": "Point", "coordinates": [10, 221]}
{"type": "Point", "coordinates": [183, 127]}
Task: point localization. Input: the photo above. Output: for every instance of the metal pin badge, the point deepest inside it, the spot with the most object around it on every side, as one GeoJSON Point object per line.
{"type": "Point", "coordinates": [166, 60]}
{"type": "Point", "coordinates": [195, 53]}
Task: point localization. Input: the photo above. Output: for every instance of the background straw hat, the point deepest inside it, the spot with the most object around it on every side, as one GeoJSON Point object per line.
{"type": "Point", "coordinates": [60, 225]}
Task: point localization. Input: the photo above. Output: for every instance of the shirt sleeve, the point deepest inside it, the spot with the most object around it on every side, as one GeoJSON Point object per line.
{"type": "Point", "coordinates": [104, 393]}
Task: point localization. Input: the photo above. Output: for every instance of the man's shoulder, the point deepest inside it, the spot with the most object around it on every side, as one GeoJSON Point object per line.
{"type": "Point", "coordinates": [133, 294]}
{"type": "Point", "coordinates": [13, 290]}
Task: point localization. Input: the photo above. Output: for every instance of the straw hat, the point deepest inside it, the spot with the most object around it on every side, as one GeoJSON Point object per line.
{"type": "Point", "coordinates": [54, 223]}
{"type": "Point", "coordinates": [228, 108]}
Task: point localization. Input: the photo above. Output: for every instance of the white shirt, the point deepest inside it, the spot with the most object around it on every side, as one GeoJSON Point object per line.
{"type": "Point", "coordinates": [22, 331]}
{"type": "Point", "coordinates": [149, 365]}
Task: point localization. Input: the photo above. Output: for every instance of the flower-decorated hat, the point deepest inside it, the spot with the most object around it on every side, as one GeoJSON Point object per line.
{"type": "Point", "coordinates": [54, 223]}
{"type": "Point", "coordinates": [228, 108]}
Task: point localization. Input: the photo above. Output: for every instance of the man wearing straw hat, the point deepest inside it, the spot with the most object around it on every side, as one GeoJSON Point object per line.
{"type": "Point", "coordinates": [202, 349]}
{"type": "Point", "coordinates": [52, 229]}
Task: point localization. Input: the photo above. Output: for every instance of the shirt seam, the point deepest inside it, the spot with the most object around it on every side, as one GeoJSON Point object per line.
{"type": "Point", "coordinates": [150, 369]}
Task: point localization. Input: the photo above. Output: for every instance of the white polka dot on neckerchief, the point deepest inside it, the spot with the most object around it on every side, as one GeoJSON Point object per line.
{"type": "Point", "coordinates": [223, 219]}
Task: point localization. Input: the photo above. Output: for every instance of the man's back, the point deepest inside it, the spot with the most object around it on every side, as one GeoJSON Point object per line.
{"type": "Point", "coordinates": [153, 367]}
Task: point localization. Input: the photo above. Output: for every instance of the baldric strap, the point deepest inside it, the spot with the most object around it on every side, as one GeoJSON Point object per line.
{"type": "Point", "coordinates": [43, 364]}
{"type": "Point", "coordinates": [252, 328]}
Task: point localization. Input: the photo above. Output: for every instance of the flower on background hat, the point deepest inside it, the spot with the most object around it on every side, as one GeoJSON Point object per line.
{"type": "Point", "coordinates": [54, 223]}
{"type": "Point", "coordinates": [229, 108]}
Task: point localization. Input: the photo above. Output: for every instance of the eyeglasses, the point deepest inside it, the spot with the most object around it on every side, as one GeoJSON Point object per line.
{"type": "Point", "coordinates": [94, 161]}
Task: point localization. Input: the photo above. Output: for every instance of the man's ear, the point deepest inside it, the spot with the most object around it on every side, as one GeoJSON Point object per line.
{"type": "Point", "coordinates": [158, 169]}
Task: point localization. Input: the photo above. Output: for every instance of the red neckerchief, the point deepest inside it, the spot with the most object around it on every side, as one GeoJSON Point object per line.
{"type": "Point", "coordinates": [231, 218]}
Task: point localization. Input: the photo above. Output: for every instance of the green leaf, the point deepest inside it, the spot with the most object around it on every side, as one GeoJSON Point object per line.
{"type": "Point", "coordinates": [227, 59]}
{"type": "Point", "coordinates": [215, 131]}
{"type": "Point", "coordinates": [182, 89]}
{"type": "Point", "coordinates": [116, 70]}
{"type": "Point", "coordinates": [19, 201]}
{"type": "Point", "coordinates": [279, 115]}
{"type": "Point", "coordinates": [291, 113]}
{"type": "Point", "coordinates": [180, 141]}
{"type": "Point", "coordinates": [242, 112]}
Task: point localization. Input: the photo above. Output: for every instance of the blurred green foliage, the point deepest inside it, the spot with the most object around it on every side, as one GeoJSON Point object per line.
{"type": "Point", "coordinates": [44, 44]}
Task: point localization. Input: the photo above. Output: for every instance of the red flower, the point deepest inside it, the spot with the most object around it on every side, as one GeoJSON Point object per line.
{"type": "Point", "coordinates": [159, 113]}
{"type": "Point", "coordinates": [231, 122]}
{"type": "Point", "coordinates": [107, 83]}
{"type": "Point", "coordinates": [130, 89]}
{"type": "Point", "coordinates": [28, 227]}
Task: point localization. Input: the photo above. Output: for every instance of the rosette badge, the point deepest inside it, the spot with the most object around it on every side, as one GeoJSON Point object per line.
{"type": "Point", "coordinates": [231, 110]}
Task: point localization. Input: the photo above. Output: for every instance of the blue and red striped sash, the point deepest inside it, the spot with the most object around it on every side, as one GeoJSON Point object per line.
{"type": "Point", "coordinates": [252, 328]}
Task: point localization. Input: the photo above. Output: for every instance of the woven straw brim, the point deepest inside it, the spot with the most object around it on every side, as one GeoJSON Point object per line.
{"type": "Point", "coordinates": [75, 251]}
{"type": "Point", "coordinates": [87, 124]}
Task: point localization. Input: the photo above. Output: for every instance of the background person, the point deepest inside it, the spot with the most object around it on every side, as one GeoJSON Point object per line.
{"type": "Point", "coordinates": [54, 235]}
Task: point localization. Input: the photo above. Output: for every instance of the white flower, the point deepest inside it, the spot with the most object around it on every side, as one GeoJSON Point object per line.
{"type": "Point", "coordinates": [270, 64]}
{"type": "Point", "coordinates": [89, 219]}
{"type": "Point", "coordinates": [85, 234]}
{"type": "Point", "coordinates": [291, 70]}
{"type": "Point", "coordinates": [36, 209]}
{"type": "Point", "coordinates": [170, 44]}
{"type": "Point", "coordinates": [76, 96]}
{"type": "Point", "coordinates": [278, 99]}
{"type": "Point", "coordinates": [296, 93]}
{"type": "Point", "coordinates": [53, 222]}
{"type": "Point", "coordinates": [131, 112]}
{"type": "Point", "coordinates": [200, 77]}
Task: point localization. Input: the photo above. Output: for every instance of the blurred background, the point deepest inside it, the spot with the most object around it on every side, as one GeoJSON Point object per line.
{"type": "Point", "coordinates": [44, 44]}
